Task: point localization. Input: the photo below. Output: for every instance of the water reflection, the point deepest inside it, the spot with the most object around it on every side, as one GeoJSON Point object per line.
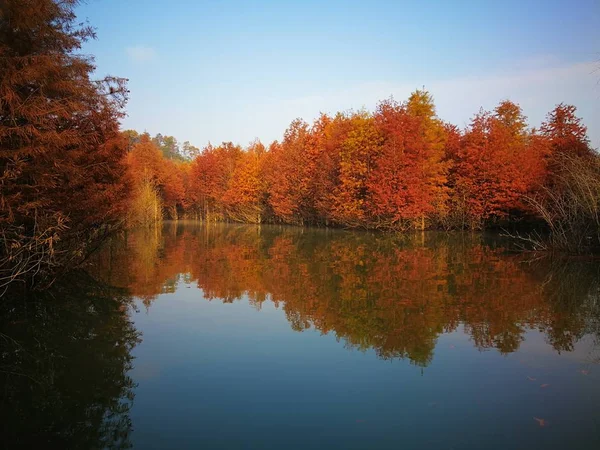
{"type": "Point", "coordinates": [393, 294]}
{"type": "Point", "coordinates": [217, 375]}
{"type": "Point", "coordinates": [64, 367]}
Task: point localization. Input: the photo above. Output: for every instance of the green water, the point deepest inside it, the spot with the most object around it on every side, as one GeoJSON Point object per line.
{"type": "Point", "coordinates": [235, 337]}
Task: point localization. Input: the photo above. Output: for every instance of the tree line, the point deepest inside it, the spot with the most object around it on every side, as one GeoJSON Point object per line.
{"type": "Point", "coordinates": [398, 168]}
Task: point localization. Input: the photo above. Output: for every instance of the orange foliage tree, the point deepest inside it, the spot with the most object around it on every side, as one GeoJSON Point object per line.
{"type": "Point", "coordinates": [409, 181]}
{"type": "Point", "coordinates": [62, 175]}
{"type": "Point", "coordinates": [210, 177]}
{"type": "Point", "coordinates": [288, 176]}
{"type": "Point", "coordinates": [496, 165]}
{"type": "Point", "coordinates": [357, 155]}
{"type": "Point", "coordinates": [159, 183]}
{"type": "Point", "coordinates": [245, 195]}
{"type": "Point", "coordinates": [566, 137]}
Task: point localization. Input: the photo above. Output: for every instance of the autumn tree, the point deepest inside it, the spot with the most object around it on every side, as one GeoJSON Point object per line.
{"type": "Point", "coordinates": [358, 153]}
{"type": "Point", "coordinates": [172, 188]}
{"type": "Point", "coordinates": [289, 175]}
{"type": "Point", "coordinates": [160, 184]}
{"type": "Point", "coordinates": [496, 165]}
{"type": "Point", "coordinates": [566, 132]}
{"type": "Point", "coordinates": [566, 137]}
{"type": "Point", "coordinates": [210, 176]}
{"type": "Point", "coordinates": [457, 216]}
{"type": "Point", "coordinates": [408, 183]}
{"type": "Point", "coordinates": [144, 163]}
{"type": "Point", "coordinates": [61, 157]}
{"type": "Point", "coordinates": [569, 202]}
{"type": "Point", "coordinates": [246, 193]}
{"type": "Point", "coordinates": [325, 143]}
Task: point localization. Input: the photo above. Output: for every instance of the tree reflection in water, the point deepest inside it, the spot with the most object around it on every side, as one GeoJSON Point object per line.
{"type": "Point", "coordinates": [64, 366]}
{"type": "Point", "coordinates": [66, 354]}
{"type": "Point", "coordinates": [393, 294]}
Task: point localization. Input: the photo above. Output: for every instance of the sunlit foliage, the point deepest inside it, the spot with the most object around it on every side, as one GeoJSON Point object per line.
{"type": "Point", "coordinates": [398, 168]}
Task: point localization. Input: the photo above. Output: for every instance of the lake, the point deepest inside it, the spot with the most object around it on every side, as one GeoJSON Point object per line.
{"type": "Point", "coordinates": [231, 337]}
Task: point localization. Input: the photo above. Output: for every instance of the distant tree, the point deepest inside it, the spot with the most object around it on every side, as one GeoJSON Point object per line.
{"type": "Point", "coordinates": [189, 151]}
{"type": "Point", "coordinates": [133, 137]}
{"type": "Point", "coordinates": [169, 147]}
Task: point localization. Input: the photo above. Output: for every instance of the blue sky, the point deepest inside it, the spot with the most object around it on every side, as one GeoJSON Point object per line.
{"type": "Point", "coordinates": [238, 70]}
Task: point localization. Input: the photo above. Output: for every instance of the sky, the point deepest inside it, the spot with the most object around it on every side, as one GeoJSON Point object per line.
{"type": "Point", "coordinates": [214, 71]}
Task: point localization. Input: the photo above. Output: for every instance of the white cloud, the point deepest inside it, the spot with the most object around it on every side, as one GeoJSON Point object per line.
{"type": "Point", "coordinates": [141, 53]}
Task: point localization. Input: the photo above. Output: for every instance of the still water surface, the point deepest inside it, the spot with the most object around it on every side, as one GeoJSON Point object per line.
{"type": "Point", "coordinates": [242, 337]}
